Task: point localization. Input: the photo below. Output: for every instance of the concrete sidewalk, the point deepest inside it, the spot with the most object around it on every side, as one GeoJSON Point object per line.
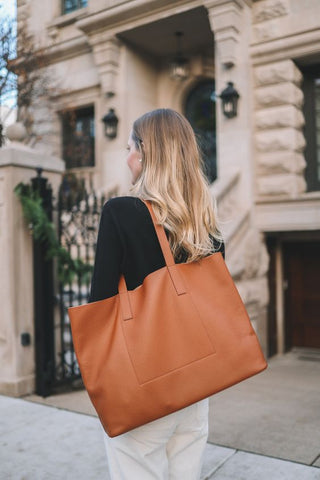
{"type": "Point", "coordinates": [42, 443]}
{"type": "Point", "coordinates": [266, 428]}
{"type": "Point", "coordinates": [275, 413]}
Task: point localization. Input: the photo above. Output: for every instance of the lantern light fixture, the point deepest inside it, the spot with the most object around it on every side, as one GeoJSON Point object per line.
{"type": "Point", "coordinates": [110, 121]}
{"type": "Point", "coordinates": [179, 69]}
{"type": "Point", "coordinates": [229, 100]}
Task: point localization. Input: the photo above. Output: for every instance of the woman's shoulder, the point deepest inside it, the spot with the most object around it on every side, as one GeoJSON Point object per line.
{"type": "Point", "coordinates": [124, 208]}
{"type": "Point", "coordinates": [124, 203]}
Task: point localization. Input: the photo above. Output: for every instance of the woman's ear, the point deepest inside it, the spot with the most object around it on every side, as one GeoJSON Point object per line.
{"type": "Point", "coordinates": [141, 145]}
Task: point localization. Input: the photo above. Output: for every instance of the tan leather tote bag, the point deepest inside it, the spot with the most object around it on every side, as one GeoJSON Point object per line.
{"type": "Point", "coordinates": [183, 335]}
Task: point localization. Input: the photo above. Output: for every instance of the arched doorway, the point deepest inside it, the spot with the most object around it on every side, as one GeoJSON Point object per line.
{"type": "Point", "coordinates": [200, 110]}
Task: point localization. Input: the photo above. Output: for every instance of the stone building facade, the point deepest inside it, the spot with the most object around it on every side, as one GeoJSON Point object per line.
{"type": "Point", "coordinates": [117, 54]}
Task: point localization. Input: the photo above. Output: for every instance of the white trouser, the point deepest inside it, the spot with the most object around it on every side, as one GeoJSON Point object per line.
{"type": "Point", "coordinates": [171, 447]}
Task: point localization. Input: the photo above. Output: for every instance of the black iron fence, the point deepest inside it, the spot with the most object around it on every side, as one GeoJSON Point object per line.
{"type": "Point", "coordinates": [43, 298]}
{"type": "Point", "coordinates": [76, 212]}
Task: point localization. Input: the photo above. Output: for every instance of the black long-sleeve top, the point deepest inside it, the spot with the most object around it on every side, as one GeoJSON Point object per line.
{"type": "Point", "coordinates": [127, 243]}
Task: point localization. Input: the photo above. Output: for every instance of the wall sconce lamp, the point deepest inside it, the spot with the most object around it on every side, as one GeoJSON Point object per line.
{"type": "Point", "coordinates": [179, 69]}
{"type": "Point", "coordinates": [110, 121]}
{"type": "Point", "coordinates": [229, 98]}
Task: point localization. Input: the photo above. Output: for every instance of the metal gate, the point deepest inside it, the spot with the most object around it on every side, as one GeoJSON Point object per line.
{"type": "Point", "coordinates": [76, 212]}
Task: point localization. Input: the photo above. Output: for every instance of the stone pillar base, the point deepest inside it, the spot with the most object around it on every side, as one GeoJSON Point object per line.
{"type": "Point", "coordinates": [17, 387]}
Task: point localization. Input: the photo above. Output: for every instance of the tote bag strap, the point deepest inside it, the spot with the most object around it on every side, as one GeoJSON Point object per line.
{"type": "Point", "coordinates": [161, 234]}
{"type": "Point", "coordinates": [170, 263]}
{"type": "Point", "coordinates": [165, 247]}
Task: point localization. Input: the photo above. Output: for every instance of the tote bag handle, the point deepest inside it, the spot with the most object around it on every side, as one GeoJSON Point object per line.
{"type": "Point", "coordinates": [161, 234]}
{"type": "Point", "coordinates": [170, 264]}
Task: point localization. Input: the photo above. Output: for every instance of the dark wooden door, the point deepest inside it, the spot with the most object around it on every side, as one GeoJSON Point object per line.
{"type": "Point", "coordinates": [272, 307]}
{"type": "Point", "coordinates": [302, 294]}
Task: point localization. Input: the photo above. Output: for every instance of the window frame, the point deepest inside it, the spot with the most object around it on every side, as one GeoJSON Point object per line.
{"type": "Point", "coordinates": [191, 95]}
{"type": "Point", "coordinates": [79, 7]}
{"type": "Point", "coordinates": [81, 112]}
{"type": "Point", "coordinates": [309, 110]}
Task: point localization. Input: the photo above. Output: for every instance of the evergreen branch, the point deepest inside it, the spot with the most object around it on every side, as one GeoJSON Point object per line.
{"type": "Point", "coordinates": [43, 231]}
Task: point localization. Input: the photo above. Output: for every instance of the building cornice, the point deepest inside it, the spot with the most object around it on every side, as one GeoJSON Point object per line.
{"type": "Point", "coordinates": [137, 11]}
{"type": "Point", "coordinates": [68, 18]}
{"type": "Point", "coordinates": [217, 3]}
{"type": "Point", "coordinates": [288, 214]}
{"type": "Point", "coordinates": [67, 49]}
{"type": "Point", "coordinates": [294, 46]}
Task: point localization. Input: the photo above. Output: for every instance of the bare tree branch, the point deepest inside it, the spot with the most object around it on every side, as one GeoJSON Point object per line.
{"type": "Point", "coordinates": [23, 70]}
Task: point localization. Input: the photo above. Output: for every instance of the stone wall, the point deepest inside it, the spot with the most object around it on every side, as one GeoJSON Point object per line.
{"type": "Point", "coordinates": [279, 121]}
{"type": "Point", "coordinates": [246, 254]}
{"type": "Point", "coordinates": [282, 30]}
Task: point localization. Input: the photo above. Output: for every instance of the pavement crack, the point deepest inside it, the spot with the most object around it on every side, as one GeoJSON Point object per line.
{"type": "Point", "coordinates": [314, 461]}
{"type": "Point", "coordinates": [219, 466]}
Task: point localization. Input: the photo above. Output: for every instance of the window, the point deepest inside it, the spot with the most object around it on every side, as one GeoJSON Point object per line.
{"type": "Point", "coordinates": [78, 137]}
{"type": "Point", "coordinates": [200, 110]}
{"type": "Point", "coordinates": [311, 87]}
{"type": "Point", "coordinates": [71, 5]}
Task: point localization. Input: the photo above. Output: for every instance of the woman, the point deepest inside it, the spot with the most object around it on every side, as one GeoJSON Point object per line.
{"type": "Point", "coordinates": [167, 170]}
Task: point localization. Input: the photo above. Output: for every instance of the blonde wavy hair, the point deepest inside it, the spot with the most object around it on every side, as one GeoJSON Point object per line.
{"type": "Point", "coordinates": [172, 179]}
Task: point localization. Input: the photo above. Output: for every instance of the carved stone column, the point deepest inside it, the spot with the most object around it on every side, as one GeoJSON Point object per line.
{"type": "Point", "coordinates": [247, 257]}
{"type": "Point", "coordinates": [225, 21]}
{"type": "Point", "coordinates": [106, 53]}
{"type": "Point", "coordinates": [230, 21]}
